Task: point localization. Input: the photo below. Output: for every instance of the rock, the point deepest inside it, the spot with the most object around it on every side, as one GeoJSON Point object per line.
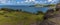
{"type": "Point", "coordinates": [47, 22]}
{"type": "Point", "coordinates": [51, 19]}
{"type": "Point", "coordinates": [49, 14]}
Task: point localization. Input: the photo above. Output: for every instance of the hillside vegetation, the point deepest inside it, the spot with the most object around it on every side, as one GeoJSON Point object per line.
{"type": "Point", "coordinates": [18, 17]}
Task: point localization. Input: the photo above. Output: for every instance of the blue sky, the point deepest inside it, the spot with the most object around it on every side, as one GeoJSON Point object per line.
{"type": "Point", "coordinates": [22, 2]}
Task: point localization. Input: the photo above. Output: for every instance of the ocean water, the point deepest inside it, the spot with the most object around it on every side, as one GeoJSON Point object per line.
{"type": "Point", "coordinates": [25, 8]}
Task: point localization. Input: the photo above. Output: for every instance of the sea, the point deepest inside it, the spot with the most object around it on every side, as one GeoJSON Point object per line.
{"type": "Point", "coordinates": [25, 8]}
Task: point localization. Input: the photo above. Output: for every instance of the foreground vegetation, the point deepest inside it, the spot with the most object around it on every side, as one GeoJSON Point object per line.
{"type": "Point", "coordinates": [18, 17]}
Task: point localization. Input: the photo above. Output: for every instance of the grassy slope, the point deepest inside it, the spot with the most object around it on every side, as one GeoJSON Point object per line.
{"type": "Point", "coordinates": [14, 18]}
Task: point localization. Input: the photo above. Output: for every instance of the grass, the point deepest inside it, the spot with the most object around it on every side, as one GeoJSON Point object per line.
{"type": "Point", "coordinates": [14, 18]}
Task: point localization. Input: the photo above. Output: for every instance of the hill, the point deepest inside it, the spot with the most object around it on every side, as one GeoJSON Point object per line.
{"type": "Point", "coordinates": [17, 17]}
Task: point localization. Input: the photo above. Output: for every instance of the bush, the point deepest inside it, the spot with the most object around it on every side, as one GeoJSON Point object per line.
{"type": "Point", "coordinates": [57, 9]}
{"type": "Point", "coordinates": [20, 10]}
{"type": "Point", "coordinates": [51, 10]}
{"type": "Point", "coordinates": [25, 18]}
{"type": "Point", "coordinates": [4, 9]}
{"type": "Point", "coordinates": [6, 16]}
{"type": "Point", "coordinates": [1, 13]}
{"type": "Point", "coordinates": [39, 12]}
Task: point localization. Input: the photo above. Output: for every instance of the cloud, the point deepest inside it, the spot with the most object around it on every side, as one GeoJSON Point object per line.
{"type": "Point", "coordinates": [3, 1]}
{"type": "Point", "coordinates": [18, 2]}
{"type": "Point", "coordinates": [9, 2]}
{"type": "Point", "coordinates": [50, 0]}
{"type": "Point", "coordinates": [31, 0]}
{"type": "Point", "coordinates": [14, 2]}
{"type": "Point", "coordinates": [54, 1]}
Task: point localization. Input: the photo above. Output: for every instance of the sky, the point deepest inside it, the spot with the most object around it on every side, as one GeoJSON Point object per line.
{"type": "Point", "coordinates": [26, 2]}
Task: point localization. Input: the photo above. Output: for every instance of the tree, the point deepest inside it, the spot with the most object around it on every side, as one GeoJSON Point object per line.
{"type": "Point", "coordinates": [17, 10]}
{"type": "Point", "coordinates": [5, 9]}
{"type": "Point", "coordinates": [20, 10]}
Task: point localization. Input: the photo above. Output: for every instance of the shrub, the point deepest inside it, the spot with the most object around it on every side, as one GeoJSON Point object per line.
{"type": "Point", "coordinates": [1, 13]}
{"type": "Point", "coordinates": [39, 12]}
{"type": "Point", "coordinates": [51, 10]}
{"type": "Point", "coordinates": [4, 9]}
{"type": "Point", "coordinates": [6, 16]}
{"type": "Point", "coordinates": [20, 10]}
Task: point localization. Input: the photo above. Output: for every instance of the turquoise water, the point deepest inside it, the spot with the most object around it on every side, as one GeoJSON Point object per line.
{"type": "Point", "coordinates": [26, 8]}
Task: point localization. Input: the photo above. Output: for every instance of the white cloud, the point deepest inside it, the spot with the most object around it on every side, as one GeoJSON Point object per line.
{"type": "Point", "coordinates": [8, 2]}
{"type": "Point", "coordinates": [31, 0]}
{"type": "Point", "coordinates": [24, 2]}
{"type": "Point", "coordinates": [21, 2]}
{"type": "Point", "coordinates": [18, 2]}
{"type": "Point", "coordinates": [3, 1]}
{"type": "Point", "coordinates": [54, 1]}
{"type": "Point", "coordinates": [45, 2]}
{"type": "Point", "coordinates": [50, 0]}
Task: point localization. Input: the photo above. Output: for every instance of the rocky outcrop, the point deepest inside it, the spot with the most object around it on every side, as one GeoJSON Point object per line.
{"type": "Point", "coordinates": [58, 5]}
{"type": "Point", "coordinates": [51, 18]}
